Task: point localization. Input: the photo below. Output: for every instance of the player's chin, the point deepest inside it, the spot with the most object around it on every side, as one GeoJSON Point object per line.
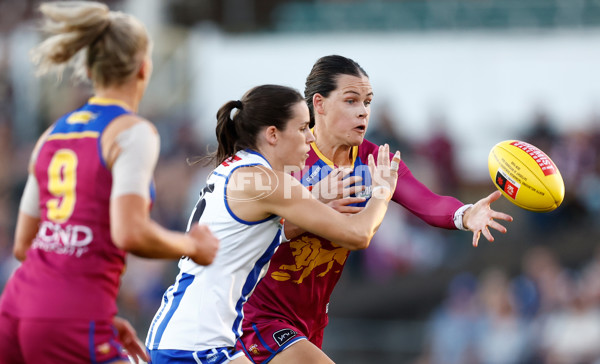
{"type": "Point", "coordinates": [357, 139]}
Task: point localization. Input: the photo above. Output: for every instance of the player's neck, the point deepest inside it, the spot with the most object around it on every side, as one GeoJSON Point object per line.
{"type": "Point", "coordinates": [338, 154]}
{"type": "Point", "coordinates": [123, 94]}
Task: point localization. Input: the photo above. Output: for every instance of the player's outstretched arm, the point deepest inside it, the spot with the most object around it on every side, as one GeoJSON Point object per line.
{"type": "Point", "coordinates": [480, 217]}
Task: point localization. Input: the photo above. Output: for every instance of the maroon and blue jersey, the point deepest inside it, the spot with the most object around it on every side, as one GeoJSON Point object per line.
{"type": "Point", "coordinates": [73, 268]}
{"type": "Point", "coordinates": [303, 272]}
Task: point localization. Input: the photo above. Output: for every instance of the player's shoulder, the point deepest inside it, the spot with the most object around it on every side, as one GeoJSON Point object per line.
{"type": "Point", "coordinates": [128, 121]}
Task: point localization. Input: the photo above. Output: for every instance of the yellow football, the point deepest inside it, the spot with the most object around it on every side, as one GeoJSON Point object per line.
{"type": "Point", "coordinates": [526, 176]}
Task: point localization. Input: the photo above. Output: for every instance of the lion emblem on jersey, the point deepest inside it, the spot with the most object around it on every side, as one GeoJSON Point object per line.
{"type": "Point", "coordinates": [309, 254]}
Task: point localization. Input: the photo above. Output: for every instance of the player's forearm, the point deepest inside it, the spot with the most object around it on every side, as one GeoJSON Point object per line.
{"type": "Point", "coordinates": [158, 242]}
{"type": "Point", "coordinates": [27, 227]}
{"type": "Point", "coordinates": [434, 209]}
{"type": "Point", "coordinates": [133, 230]}
{"type": "Point", "coordinates": [366, 223]}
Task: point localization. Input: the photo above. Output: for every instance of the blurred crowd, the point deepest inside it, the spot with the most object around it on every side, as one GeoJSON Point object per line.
{"type": "Point", "coordinates": [547, 313]}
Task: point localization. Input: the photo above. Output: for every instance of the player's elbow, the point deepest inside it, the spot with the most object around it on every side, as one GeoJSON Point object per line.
{"type": "Point", "coordinates": [19, 253]}
{"type": "Point", "coordinates": [129, 240]}
{"type": "Point", "coordinates": [363, 243]}
{"type": "Point", "coordinates": [359, 240]}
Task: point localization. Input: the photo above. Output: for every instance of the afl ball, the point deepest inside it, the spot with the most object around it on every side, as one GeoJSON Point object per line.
{"type": "Point", "coordinates": [526, 176]}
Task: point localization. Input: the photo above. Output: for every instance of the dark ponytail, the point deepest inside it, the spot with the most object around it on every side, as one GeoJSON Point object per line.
{"type": "Point", "coordinates": [259, 108]}
{"type": "Point", "coordinates": [226, 133]}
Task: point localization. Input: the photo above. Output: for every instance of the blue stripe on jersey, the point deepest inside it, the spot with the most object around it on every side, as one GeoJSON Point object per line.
{"type": "Point", "coordinates": [107, 114]}
{"type": "Point", "coordinates": [92, 347]}
{"type": "Point", "coordinates": [258, 154]}
{"type": "Point", "coordinates": [210, 356]}
{"type": "Point", "coordinates": [99, 117]}
{"type": "Point", "coordinates": [183, 283]}
{"type": "Point", "coordinates": [163, 305]}
{"type": "Point", "coordinates": [241, 221]}
{"type": "Point", "coordinates": [320, 169]}
{"type": "Point", "coordinates": [220, 175]}
{"type": "Point", "coordinates": [152, 191]}
{"type": "Point", "coordinates": [252, 281]}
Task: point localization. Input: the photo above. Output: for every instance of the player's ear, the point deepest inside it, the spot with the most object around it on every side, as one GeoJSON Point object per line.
{"type": "Point", "coordinates": [145, 69]}
{"type": "Point", "coordinates": [271, 134]}
{"type": "Point", "coordinates": [318, 101]}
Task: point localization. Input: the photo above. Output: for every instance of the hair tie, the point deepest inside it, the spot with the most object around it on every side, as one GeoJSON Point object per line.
{"type": "Point", "coordinates": [238, 104]}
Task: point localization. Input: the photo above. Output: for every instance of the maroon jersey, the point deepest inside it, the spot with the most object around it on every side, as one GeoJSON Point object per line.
{"type": "Point", "coordinates": [73, 268]}
{"type": "Point", "coordinates": [303, 272]}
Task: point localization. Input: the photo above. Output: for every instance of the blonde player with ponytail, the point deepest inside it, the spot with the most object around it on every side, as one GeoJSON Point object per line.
{"type": "Point", "coordinates": [87, 199]}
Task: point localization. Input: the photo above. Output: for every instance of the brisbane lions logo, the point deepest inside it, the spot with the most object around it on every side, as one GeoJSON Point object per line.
{"type": "Point", "coordinates": [309, 254]}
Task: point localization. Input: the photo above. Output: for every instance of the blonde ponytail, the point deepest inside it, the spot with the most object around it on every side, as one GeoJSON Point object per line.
{"type": "Point", "coordinates": [96, 42]}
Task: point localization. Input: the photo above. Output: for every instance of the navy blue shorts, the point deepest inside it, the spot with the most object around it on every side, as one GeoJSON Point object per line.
{"type": "Point", "coordinates": [211, 356]}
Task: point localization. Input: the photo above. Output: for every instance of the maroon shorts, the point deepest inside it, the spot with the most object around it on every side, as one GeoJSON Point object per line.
{"type": "Point", "coordinates": [262, 341]}
{"type": "Point", "coordinates": [58, 341]}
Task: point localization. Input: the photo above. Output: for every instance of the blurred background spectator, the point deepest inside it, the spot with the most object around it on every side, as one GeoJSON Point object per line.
{"type": "Point", "coordinates": [451, 79]}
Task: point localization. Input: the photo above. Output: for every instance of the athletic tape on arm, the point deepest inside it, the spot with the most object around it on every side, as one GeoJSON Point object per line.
{"type": "Point", "coordinates": [133, 169]}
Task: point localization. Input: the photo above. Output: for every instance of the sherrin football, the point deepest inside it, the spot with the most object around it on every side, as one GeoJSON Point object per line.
{"type": "Point", "coordinates": [526, 176]}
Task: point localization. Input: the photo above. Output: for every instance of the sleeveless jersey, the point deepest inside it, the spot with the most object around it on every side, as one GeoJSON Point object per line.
{"type": "Point", "coordinates": [72, 269]}
{"type": "Point", "coordinates": [304, 272]}
{"type": "Point", "coordinates": [203, 308]}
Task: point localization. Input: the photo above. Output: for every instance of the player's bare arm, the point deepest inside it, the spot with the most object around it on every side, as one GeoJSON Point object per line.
{"type": "Point", "coordinates": [289, 199]}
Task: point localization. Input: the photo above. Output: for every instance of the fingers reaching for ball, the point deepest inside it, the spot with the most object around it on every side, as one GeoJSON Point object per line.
{"type": "Point", "coordinates": [480, 217]}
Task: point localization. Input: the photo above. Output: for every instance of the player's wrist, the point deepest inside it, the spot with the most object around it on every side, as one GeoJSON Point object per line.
{"type": "Point", "coordinates": [382, 192]}
{"type": "Point", "coordinates": [459, 217]}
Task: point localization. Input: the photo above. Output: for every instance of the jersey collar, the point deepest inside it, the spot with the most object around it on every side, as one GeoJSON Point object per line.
{"type": "Point", "coordinates": [106, 102]}
{"type": "Point", "coordinates": [325, 159]}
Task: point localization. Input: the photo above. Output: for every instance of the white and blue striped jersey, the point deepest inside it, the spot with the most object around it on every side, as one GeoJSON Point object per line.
{"type": "Point", "coordinates": [203, 308]}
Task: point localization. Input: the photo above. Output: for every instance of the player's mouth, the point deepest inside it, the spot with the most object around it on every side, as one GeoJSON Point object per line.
{"type": "Point", "coordinates": [306, 154]}
{"type": "Point", "coordinates": [361, 129]}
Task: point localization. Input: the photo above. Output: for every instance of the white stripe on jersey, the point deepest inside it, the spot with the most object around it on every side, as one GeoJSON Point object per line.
{"type": "Point", "coordinates": [203, 308]}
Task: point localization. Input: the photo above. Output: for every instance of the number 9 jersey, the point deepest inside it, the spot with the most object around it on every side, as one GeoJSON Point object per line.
{"type": "Point", "coordinates": [73, 256]}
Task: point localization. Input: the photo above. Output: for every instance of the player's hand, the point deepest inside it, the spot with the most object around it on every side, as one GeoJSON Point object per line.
{"type": "Point", "coordinates": [204, 246]}
{"type": "Point", "coordinates": [342, 205]}
{"type": "Point", "coordinates": [128, 338]}
{"type": "Point", "coordinates": [480, 217]}
{"type": "Point", "coordinates": [336, 185]}
{"type": "Point", "coordinates": [384, 174]}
